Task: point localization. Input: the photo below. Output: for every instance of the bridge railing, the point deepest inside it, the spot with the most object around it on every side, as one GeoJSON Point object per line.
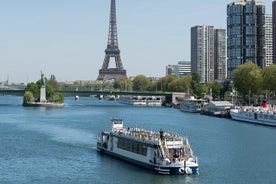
{"type": "Point", "coordinates": [87, 92]}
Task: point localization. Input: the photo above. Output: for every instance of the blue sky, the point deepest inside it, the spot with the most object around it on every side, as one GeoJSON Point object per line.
{"type": "Point", "coordinates": [67, 38]}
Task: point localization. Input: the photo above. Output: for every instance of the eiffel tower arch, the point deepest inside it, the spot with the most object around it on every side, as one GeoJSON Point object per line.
{"type": "Point", "coordinates": [112, 51]}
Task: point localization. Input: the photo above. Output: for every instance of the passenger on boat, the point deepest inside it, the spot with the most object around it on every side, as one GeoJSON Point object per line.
{"type": "Point", "coordinates": [161, 134]}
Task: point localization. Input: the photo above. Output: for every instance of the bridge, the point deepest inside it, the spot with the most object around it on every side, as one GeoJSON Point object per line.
{"type": "Point", "coordinates": [170, 96]}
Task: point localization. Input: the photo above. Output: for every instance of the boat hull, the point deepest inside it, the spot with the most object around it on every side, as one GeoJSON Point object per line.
{"type": "Point", "coordinates": [160, 169]}
{"type": "Point", "coordinates": [161, 152]}
{"type": "Point", "coordinates": [255, 118]}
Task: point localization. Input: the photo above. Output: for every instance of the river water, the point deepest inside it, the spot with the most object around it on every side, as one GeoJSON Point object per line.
{"type": "Point", "coordinates": [58, 145]}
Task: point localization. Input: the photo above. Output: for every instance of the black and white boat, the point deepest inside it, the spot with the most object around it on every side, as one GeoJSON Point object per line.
{"type": "Point", "coordinates": [161, 152]}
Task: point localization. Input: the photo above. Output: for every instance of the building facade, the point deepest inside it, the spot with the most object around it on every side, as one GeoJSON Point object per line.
{"type": "Point", "coordinates": [184, 68]}
{"type": "Point", "coordinates": [171, 70]}
{"type": "Point", "coordinates": [268, 40]}
{"type": "Point", "coordinates": [208, 53]}
{"type": "Point", "coordinates": [181, 69]}
{"type": "Point", "coordinates": [202, 52]}
{"type": "Point", "coordinates": [220, 54]}
{"type": "Point", "coordinates": [246, 34]}
{"type": "Point", "coordinates": [274, 30]}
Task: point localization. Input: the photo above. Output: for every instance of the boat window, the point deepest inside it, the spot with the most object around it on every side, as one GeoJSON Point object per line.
{"type": "Point", "coordinates": [176, 152]}
{"type": "Point", "coordinates": [133, 146]}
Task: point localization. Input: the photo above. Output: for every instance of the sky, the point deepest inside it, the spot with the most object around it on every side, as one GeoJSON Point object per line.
{"type": "Point", "coordinates": [67, 38]}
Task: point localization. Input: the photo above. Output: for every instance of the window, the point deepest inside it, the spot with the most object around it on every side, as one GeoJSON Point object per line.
{"type": "Point", "coordinates": [132, 146]}
{"type": "Point", "coordinates": [249, 8]}
{"type": "Point", "coordinates": [249, 19]}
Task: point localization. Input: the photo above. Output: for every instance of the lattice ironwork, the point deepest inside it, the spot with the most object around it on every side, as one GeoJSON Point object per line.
{"type": "Point", "coordinates": [112, 51]}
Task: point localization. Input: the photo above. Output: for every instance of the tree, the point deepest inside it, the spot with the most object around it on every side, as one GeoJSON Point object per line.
{"type": "Point", "coordinates": [53, 82]}
{"type": "Point", "coordinates": [216, 91]}
{"type": "Point", "coordinates": [197, 88]}
{"type": "Point", "coordinates": [140, 83]}
{"type": "Point", "coordinates": [269, 76]}
{"type": "Point", "coordinates": [185, 83]}
{"type": "Point", "coordinates": [28, 97]}
{"type": "Point", "coordinates": [58, 98]}
{"type": "Point", "coordinates": [168, 83]}
{"type": "Point", "coordinates": [248, 79]}
{"type": "Point", "coordinates": [196, 77]}
{"type": "Point", "coordinates": [50, 91]}
{"type": "Point", "coordinates": [33, 88]}
{"type": "Point", "coordinates": [122, 84]}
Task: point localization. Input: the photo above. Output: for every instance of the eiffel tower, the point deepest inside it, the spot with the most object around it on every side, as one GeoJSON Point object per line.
{"type": "Point", "coordinates": [112, 51]}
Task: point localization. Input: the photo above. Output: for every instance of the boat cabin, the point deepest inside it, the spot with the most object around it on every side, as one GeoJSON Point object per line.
{"type": "Point", "coordinates": [117, 124]}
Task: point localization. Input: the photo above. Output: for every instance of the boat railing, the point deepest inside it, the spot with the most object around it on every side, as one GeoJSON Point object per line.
{"type": "Point", "coordinates": [164, 149]}
{"type": "Point", "coordinates": [140, 135]}
{"type": "Point", "coordinates": [188, 150]}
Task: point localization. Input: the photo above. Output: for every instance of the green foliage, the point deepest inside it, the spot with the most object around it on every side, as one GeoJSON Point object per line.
{"type": "Point", "coordinates": [123, 84]}
{"type": "Point", "coordinates": [197, 88]}
{"type": "Point", "coordinates": [50, 91]}
{"type": "Point", "coordinates": [57, 98]}
{"type": "Point", "coordinates": [217, 91]}
{"type": "Point", "coordinates": [248, 79]}
{"type": "Point", "coordinates": [28, 97]}
{"type": "Point", "coordinates": [168, 82]}
{"type": "Point", "coordinates": [180, 84]}
{"type": "Point", "coordinates": [269, 76]}
{"type": "Point", "coordinates": [53, 82]}
{"type": "Point", "coordinates": [32, 91]}
{"type": "Point", "coordinates": [33, 88]}
{"type": "Point", "coordinates": [185, 83]}
{"type": "Point", "coordinates": [196, 77]}
{"type": "Point", "coordinates": [140, 83]}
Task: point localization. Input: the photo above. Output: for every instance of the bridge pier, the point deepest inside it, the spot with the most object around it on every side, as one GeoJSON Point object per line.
{"type": "Point", "coordinates": [172, 100]}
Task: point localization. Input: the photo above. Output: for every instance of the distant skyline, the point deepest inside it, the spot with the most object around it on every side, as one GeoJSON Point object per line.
{"type": "Point", "coordinates": [67, 38]}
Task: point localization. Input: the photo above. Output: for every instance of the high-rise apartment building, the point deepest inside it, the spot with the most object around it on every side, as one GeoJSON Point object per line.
{"type": "Point", "coordinates": [220, 54]}
{"type": "Point", "coordinates": [268, 40]}
{"type": "Point", "coordinates": [208, 53]}
{"type": "Point", "coordinates": [202, 52]}
{"type": "Point", "coordinates": [274, 30]}
{"type": "Point", "coordinates": [246, 34]}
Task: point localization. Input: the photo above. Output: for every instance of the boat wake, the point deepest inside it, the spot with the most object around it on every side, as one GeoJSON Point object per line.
{"type": "Point", "coordinates": [64, 134]}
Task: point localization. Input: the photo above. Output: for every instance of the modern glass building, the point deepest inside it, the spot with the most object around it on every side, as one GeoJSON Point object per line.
{"type": "Point", "coordinates": [246, 34]}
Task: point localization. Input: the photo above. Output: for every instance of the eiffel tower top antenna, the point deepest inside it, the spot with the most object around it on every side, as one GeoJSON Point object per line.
{"type": "Point", "coordinates": [112, 50]}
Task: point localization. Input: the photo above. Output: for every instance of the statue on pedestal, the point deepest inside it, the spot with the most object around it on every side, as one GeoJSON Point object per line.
{"type": "Point", "coordinates": [42, 79]}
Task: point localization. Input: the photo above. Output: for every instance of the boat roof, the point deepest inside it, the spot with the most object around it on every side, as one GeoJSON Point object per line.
{"type": "Point", "coordinates": [220, 103]}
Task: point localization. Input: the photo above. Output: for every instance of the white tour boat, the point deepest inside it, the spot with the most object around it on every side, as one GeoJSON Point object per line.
{"type": "Point", "coordinates": [258, 115]}
{"type": "Point", "coordinates": [192, 105]}
{"type": "Point", "coordinates": [141, 100]}
{"type": "Point", "coordinates": [161, 152]}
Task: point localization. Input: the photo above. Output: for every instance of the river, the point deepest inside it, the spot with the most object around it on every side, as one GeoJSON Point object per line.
{"type": "Point", "coordinates": [58, 145]}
